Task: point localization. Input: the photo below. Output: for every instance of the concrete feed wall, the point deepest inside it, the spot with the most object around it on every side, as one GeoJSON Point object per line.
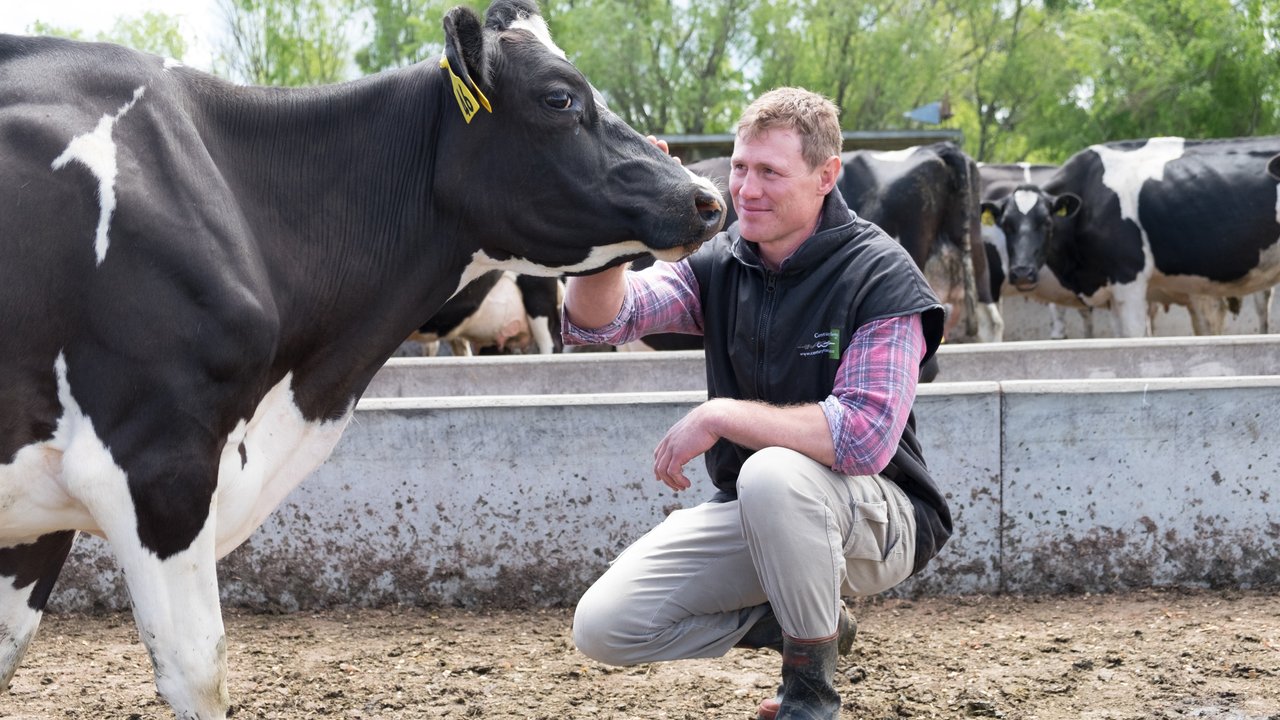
{"type": "Point", "coordinates": [517, 501]}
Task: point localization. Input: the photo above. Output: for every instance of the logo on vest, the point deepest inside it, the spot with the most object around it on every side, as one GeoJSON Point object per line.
{"type": "Point", "coordinates": [824, 343]}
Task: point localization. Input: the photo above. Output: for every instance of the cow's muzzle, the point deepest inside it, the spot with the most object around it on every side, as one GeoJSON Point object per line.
{"type": "Point", "coordinates": [1024, 277]}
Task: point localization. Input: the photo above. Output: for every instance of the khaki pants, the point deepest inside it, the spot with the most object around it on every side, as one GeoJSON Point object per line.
{"type": "Point", "coordinates": [798, 537]}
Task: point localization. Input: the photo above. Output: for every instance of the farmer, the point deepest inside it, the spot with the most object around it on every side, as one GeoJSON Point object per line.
{"type": "Point", "coordinates": [815, 324]}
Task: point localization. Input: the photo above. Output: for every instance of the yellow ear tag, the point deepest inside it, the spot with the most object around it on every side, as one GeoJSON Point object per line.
{"type": "Point", "coordinates": [987, 218]}
{"type": "Point", "coordinates": [466, 100]}
{"type": "Point", "coordinates": [1062, 211]}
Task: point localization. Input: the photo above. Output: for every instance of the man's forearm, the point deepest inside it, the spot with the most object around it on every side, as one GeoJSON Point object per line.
{"type": "Point", "coordinates": [593, 301]}
{"type": "Point", "coordinates": [756, 425]}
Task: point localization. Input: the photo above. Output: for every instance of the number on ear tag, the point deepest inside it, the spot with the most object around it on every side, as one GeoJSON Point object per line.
{"type": "Point", "coordinates": [466, 100]}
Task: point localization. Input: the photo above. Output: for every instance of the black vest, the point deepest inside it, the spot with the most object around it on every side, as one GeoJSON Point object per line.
{"type": "Point", "coordinates": [778, 337]}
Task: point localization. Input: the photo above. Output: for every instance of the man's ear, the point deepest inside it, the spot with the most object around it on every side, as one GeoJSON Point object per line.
{"type": "Point", "coordinates": [464, 45]}
{"type": "Point", "coordinates": [830, 173]}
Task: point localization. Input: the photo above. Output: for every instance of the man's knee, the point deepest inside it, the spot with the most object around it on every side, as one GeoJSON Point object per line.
{"type": "Point", "coordinates": [768, 478]}
{"type": "Point", "coordinates": [597, 630]}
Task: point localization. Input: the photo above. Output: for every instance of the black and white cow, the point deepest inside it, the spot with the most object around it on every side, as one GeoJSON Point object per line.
{"type": "Point", "coordinates": [927, 198]}
{"type": "Point", "coordinates": [999, 182]}
{"type": "Point", "coordinates": [197, 281]}
{"type": "Point", "coordinates": [499, 310]}
{"type": "Point", "coordinates": [1164, 217]}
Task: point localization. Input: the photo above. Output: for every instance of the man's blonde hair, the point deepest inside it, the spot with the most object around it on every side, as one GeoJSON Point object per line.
{"type": "Point", "coordinates": [813, 117]}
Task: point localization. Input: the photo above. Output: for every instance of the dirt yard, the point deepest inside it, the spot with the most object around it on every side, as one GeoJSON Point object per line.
{"type": "Point", "coordinates": [1158, 655]}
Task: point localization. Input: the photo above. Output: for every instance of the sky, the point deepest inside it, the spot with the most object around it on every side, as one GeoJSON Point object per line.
{"type": "Point", "coordinates": [200, 20]}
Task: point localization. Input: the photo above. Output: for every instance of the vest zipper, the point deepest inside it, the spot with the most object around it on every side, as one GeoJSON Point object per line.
{"type": "Point", "coordinates": [762, 333]}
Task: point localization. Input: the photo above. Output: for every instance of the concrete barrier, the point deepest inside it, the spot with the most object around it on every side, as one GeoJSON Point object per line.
{"type": "Point", "coordinates": [522, 500]}
{"type": "Point", "coordinates": [674, 371]}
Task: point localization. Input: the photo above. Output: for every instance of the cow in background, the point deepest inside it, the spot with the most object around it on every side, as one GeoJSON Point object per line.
{"type": "Point", "coordinates": [199, 280]}
{"type": "Point", "coordinates": [1166, 216]}
{"type": "Point", "coordinates": [501, 310]}
{"type": "Point", "coordinates": [927, 198]}
{"type": "Point", "coordinates": [998, 183]}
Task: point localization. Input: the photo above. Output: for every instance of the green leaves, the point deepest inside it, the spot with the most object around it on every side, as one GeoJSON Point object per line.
{"type": "Point", "coordinates": [1027, 79]}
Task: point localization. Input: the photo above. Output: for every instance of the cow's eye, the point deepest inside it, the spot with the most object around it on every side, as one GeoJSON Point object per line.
{"type": "Point", "coordinates": [559, 100]}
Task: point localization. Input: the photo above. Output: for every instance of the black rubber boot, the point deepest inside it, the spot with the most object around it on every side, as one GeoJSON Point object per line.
{"type": "Point", "coordinates": [767, 633]}
{"type": "Point", "coordinates": [808, 674]}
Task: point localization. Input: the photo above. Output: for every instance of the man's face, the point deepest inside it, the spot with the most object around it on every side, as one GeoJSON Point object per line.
{"type": "Point", "coordinates": [776, 194]}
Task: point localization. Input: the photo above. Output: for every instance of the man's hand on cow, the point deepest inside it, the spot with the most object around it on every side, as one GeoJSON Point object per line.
{"type": "Point", "coordinates": [686, 440]}
{"type": "Point", "coordinates": [663, 146]}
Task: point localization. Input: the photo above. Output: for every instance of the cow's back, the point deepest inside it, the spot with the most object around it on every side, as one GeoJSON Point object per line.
{"type": "Point", "coordinates": [1206, 211]}
{"type": "Point", "coordinates": [1215, 211]}
{"type": "Point", "coordinates": [121, 250]}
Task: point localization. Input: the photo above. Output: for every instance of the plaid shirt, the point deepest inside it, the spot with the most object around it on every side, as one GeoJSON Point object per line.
{"type": "Point", "coordinates": [875, 385]}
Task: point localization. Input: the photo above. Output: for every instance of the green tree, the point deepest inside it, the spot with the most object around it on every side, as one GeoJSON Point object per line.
{"type": "Point", "coordinates": [875, 59]}
{"type": "Point", "coordinates": [663, 66]}
{"type": "Point", "coordinates": [1197, 68]}
{"type": "Point", "coordinates": [153, 32]}
{"type": "Point", "coordinates": [1012, 69]}
{"type": "Point", "coordinates": [287, 42]}
{"type": "Point", "coordinates": [403, 32]}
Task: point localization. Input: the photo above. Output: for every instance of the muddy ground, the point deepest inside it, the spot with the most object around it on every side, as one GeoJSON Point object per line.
{"type": "Point", "coordinates": [1158, 654]}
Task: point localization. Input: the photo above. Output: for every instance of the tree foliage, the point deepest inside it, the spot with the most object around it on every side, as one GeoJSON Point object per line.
{"type": "Point", "coordinates": [153, 32]}
{"type": "Point", "coordinates": [663, 65]}
{"type": "Point", "coordinates": [287, 42]}
{"type": "Point", "coordinates": [1027, 79]}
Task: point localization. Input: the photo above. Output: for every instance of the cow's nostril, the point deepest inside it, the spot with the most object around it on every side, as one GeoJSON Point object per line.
{"type": "Point", "coordinates": [710, 206]}
{"type": "Point", "coordinates": [1024, 278]}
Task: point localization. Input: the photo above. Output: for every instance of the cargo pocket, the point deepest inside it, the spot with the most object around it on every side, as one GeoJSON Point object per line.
{"type": "Point", "coordinates": [870, 538]}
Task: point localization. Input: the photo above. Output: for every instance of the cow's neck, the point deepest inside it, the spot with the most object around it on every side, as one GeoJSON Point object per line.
{"type": "Point", "coordinates": [335, 183]}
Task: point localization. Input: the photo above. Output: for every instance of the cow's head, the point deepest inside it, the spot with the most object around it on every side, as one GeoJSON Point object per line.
{"type": "Point", "coordinates": [1028, 217]}
{"type": "Point", "coordinates": [540, 176]}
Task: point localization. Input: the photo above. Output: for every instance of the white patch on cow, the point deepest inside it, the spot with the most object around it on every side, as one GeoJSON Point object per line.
{"type": "Point", "coordinates": [1278, 203]}
{"type": "Point", "coordinates": [18, 623]}
{"type": "Point", "coordinates": [895, 155]}
{"type": "Point", "coordinates": [993, 236]}
{"type": "Point", "coordinates": [599, 257]}
{"type": "Point", "coordinates": [1129, 309]}
{"type": "Point", "coordinates": [46, 486]}
{"type": "Point", "coordinates": [1025, 200]}
{"type": "Point", "coordinates": [1026, 171]}
{"type": "Point", "coordinates": [1125, 171]}
{"type": "Point", "coordinates": [281, 448]}
{"type": "Point", "coordinates": [97, 151]}
{"type": "Point", "coordinates": [536, 25]}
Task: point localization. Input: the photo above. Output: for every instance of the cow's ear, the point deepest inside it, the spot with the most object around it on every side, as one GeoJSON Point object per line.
{"type": "Point", "coordinates": [1273, 167]}
{"type": "Point", "coordinates": [464, 60]}
{"type": "Point", "coordinates": [1066, 205]}
{"type": "Point", "coordinates": [464, 45]}
{"type": "Point", "coordinates": [990, 213]}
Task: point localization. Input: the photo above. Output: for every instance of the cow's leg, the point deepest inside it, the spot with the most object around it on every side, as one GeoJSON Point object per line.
{"type": "Point", "coordinates": [1057, 322]}
{"type": "Point", "coordinates": [1262, 304]}
{"type": "Point", "coordinates": [990, 323]}
{"type": "Point", "coordinates": [1208, 314]}
{"type": "Point", "coordinates": [177, 610]}
{"type": "Point", "coordinates": [1129, 306]}
{"type": "Point", "coordinates": [27, 575]}
{"type": "Point", "coordinates": [165, 497]}
{"type": "Point", "coordinates": [1086, 318]}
